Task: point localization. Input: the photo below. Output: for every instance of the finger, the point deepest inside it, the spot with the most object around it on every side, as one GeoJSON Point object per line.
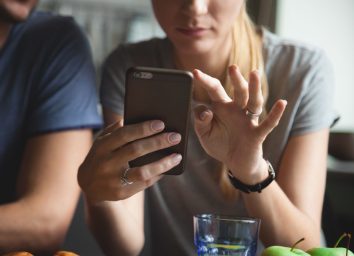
{"type": "Point", "coordinates": [130, 133]}
{"type": "Point", "coordinates": [240, 86]}
{"type": "Point", "coordinates": [112, 188]}
{"type": "Point", "coordinates": [202, 120]}
{"type": "Point", "coordinates": [144, 174]}
{"type": "Point", "coordinates": [145, 146]}
{"type": "Point", "coordinates": [121, 192]}
{"type": "Point", "coordinates": [212, 86]}
{"type": "Point", "coordinates": [273, 118]}
{"type": "Point", "coordinates": [143, 177]}
{"type": "Point", "coordinates": [255, 101]}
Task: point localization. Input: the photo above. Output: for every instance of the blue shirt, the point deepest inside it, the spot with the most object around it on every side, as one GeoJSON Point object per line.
{"type": "Point", "coordinates": [47, 84]}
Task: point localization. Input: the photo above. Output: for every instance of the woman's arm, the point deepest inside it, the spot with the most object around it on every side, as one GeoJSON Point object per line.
{"type": "Point", "coordinates": [290, 207]}
{"type": "Point", "coordinates": [116, 211]}
{"type": "Point", "coordinates": [118, 226]}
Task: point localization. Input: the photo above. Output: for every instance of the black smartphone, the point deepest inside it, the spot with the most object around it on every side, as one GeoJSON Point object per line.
{"type": "Point", "coordinates": [160, 94]}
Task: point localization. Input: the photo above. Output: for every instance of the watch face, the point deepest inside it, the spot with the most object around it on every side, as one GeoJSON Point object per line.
{"type": "Point", "coordinates": [271, 170]}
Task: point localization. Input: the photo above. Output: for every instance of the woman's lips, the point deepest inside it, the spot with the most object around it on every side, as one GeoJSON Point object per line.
{"type": "Point", "coordinates": [192, 31]}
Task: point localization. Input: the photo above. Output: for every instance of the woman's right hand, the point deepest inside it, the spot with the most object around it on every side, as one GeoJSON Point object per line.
{"type": "Point", "coordinates": [101, 172]}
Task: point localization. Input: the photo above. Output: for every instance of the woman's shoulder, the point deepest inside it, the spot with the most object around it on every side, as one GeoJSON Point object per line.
{"type": "Point", "coordinates": [283, 50]}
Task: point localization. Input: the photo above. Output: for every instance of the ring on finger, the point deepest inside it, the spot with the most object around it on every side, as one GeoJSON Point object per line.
{"type": "Point", "coordinates": [251, 114]}
{"type": "Point", "coordinates": [124, 178]}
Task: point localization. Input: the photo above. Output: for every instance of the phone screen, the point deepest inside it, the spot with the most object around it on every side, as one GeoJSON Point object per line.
{"type": "Point", "coordinates": [161, 94]}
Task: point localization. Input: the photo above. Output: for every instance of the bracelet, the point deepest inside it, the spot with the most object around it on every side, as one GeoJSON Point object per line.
{"type": "Point", "coordinates": [256, 187]}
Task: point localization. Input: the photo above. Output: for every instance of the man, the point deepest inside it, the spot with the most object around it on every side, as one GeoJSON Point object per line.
{"type": "Point", "coordinates": [48, 109]}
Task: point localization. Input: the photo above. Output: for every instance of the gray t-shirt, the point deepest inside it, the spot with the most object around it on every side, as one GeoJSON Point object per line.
{"type": "Point", "coordinates": [298, 73]}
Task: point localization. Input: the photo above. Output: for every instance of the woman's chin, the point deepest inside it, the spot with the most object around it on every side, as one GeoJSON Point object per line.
{"type": "Point", "coordinates": [194, 47]}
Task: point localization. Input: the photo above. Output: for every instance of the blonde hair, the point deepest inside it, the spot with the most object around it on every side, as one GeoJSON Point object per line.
{"type": "Point", "coordinates": [246, 53]}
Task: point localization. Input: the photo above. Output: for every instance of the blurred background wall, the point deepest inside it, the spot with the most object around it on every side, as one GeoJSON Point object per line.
{"type": "Point", "coordinates": [108, 22]}
{"type": "Point", "coordinates": [330, 25]}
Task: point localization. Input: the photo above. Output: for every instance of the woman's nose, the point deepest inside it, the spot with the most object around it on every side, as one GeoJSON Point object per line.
{"type": "Point", "coordinates": [195, 7]}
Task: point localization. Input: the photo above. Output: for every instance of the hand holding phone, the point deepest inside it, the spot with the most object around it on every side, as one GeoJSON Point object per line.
{"type": "Point", "coordinates": [160, 94]}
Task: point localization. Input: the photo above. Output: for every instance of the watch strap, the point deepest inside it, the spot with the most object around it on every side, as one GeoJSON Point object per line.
{"type": "Point", "coordinates": [256, 187]}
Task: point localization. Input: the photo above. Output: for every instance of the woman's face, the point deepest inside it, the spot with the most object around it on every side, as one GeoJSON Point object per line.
{"type": "Point", "coordinates": [197, 26]}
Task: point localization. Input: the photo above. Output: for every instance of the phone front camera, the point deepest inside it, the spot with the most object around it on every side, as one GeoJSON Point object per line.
{"type": "Point", "coordinates": [137, 75]}
{"type": "Point", "coordinates": [143, 75]}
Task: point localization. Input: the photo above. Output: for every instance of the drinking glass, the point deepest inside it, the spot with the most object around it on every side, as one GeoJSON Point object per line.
{"type": "Point", "coordinates": [225, 235]}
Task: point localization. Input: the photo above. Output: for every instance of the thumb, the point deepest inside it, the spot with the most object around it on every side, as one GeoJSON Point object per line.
{"type": "Point", "coordinates": [202, 120]}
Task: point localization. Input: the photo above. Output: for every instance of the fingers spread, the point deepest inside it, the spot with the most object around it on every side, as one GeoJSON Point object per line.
{"type": "Point", "coordinates": [240, 86]}
{"type": "Point", "coordinates": [255, 101]}
{"type": "Point", "coordinates": [212, 85]}
{"type": "Point", "coordinates": [273, 117]}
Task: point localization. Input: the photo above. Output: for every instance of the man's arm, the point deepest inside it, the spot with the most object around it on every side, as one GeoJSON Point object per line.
{"type": "Point", "coordinates": [114, 223]}
{"type": "Point", "coordinates": [47, 192]}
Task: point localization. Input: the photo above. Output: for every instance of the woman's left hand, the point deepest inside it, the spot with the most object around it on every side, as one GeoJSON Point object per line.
{"type": "Point", "coordinates": [229, 129]}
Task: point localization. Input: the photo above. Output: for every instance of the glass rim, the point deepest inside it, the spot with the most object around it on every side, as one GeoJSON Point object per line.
{"type": "Point", "coordinates": [225, 217]}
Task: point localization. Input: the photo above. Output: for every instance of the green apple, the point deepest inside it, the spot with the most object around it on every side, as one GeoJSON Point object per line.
{"type": "Point", "coordinates": [338, 251]}
{"type": "Point", "coordinates": [335, 251]}
{"type": "Point", "coordinates": [283, 251]}
{"type": "Point", "coordinates": [277, 250]}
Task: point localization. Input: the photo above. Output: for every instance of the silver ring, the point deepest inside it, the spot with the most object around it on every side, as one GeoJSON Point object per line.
{"type": "Point", "coordinates": [124, 178]}
{"type": "Point", "coordinates": [251, 114]}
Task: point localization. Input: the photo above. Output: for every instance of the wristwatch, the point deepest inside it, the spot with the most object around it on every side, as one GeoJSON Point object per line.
{"type": "Point", "coordinates": [256, 187]}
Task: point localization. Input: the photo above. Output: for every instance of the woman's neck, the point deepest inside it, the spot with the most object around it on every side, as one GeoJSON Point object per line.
{"type": "Point", "coordinates": [213, 63]}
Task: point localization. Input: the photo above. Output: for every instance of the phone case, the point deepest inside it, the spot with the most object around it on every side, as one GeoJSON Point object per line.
{"type": "Point", "coordinates": [162, 94]}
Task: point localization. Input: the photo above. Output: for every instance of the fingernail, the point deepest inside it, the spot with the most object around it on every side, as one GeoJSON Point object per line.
{"type": "Point", "coordinates": [196, 72]}
{"type": "Point", "coordinates": [157, 126]}
{"type": "Point", "coordinates": [176, 158]}
{"type": "Point", "coordinates": [233, 67]}
{"type": "Point", "coordinates": [174, 137]}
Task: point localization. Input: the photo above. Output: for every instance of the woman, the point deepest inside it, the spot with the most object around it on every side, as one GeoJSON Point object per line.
{"type": "Point", "coordinates": [216, 40]}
